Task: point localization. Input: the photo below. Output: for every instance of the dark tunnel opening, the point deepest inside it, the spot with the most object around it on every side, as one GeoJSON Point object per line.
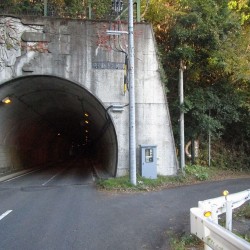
{"type": "Point", "coordinates": [50, 119]}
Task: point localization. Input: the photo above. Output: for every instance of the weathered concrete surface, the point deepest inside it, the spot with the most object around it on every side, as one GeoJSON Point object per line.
{"type": "Point", "coordinates": [68, 49]}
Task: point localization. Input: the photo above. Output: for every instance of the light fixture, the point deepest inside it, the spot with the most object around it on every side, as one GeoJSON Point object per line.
{"type": "Point", "coordinates": [225, 193]}
{"type": "Point", "coordinates": [86, 121]}
{"type": "Point", "coordinates": [207, 214]}
{"type": "Point", "coordinates": [6, 100]}
{"type": "Point", "coordinates": [86, 114]}
{"type": "Point", "coordinates": [86, 131]}
{"type": "Point", "coordinates": [118, 107]}
{"type": "Point", "coordinates": [116, 32]}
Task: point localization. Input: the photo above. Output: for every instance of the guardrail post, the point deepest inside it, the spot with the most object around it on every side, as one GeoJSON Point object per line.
{"type": "Point", "coordinates": [229, 215]}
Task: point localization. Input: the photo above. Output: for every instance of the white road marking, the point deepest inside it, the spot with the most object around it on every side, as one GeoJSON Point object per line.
{"type": "Point", "coordinates": [93, 177]}
{"type": "Point", "coordinates": [5, 214]}
{"type": "Point", "coordinates": [54, 176]}
{"type": "Point", "coordinates": [19, 176]}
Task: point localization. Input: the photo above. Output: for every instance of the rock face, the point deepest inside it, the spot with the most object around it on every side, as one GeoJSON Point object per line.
{"type": "Point", "coordinates": [80, 52]}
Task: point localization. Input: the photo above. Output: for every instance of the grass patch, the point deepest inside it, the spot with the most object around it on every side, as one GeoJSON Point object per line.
{"type": "Point", "coordinates": [143, 184]}
{"type": "Point", "coordinates": [243, 211]}
{"type": "Point", "coordinates": [193, 174]}
{"type": "Point", "coordinates": [243, 214]}
{"type": "Point", "coordinates": [186, 241]}
{"type": "Point", "coordinates": [245, 236]}
{"type": "Point", "coordinates": [199, 172]}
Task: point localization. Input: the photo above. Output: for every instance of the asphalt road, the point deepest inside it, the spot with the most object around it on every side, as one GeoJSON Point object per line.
{"type": "Point", "coordinates": [60, 209]}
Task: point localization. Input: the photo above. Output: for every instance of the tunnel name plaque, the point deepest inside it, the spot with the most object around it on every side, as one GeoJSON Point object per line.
{"type": "Point", "coordinates": [108, 65]}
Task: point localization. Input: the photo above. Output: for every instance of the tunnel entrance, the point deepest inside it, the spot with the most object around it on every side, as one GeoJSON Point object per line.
{"type": "Point", "coordinates": [50, 119]}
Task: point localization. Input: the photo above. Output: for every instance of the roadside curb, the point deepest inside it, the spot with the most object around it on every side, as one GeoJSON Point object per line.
{"type": "Point", "coordinates": [98, 173]}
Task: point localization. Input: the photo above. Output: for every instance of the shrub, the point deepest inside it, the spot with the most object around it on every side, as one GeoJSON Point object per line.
{"type": "Point", "coordinates": [200, 173]}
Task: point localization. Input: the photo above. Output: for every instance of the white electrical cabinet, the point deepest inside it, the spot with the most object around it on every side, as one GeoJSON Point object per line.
{"type": "Point", "coordinates": [148, 161]}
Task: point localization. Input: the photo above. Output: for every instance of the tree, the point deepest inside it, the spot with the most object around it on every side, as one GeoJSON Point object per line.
{"type": "Point", "coordinates": [200, 29]}
{"type": "Point", "coordinates": [209, 38]}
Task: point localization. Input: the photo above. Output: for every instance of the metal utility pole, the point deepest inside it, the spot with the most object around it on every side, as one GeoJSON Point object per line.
{"type": "Point", "coordinates": [138, 11]}
{"type": "Point", "coordinates": [45, 7]}
{"type": "Point", "coordinates": [89, 9]}
{"type": "Point", "coordinates": [209, 142]}
{"type": "Point", "coordinates": [132, 137]}
{"type": "Point", "coordinates": [182, 138]}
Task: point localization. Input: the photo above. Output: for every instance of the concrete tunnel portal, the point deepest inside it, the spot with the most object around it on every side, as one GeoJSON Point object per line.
{"type": "Point", "coordinates": [51, 119]}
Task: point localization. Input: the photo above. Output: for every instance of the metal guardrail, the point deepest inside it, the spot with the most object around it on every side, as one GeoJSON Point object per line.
{"type": "Point", "coordinates": [204, 222]}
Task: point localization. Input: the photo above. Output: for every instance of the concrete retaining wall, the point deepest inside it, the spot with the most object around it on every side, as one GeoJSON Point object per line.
{"type": "Point", "coordinates": [70, 49]}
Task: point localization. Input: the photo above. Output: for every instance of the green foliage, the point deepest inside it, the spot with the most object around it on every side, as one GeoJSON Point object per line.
{"type": "Point", "coordinates": [194, 38]}
{"type": "Point", "coordinates": [201, 30]}
{"type": "Point", "coordinates": [115, 183]}
{"type": "Point", "coordinates": [241, 6]}
{"type": "Point", "coordinates": [160, 12]}
{"type": "Point", "coordinates": [184, 241]}
{"type": "Point", "coordinates": [193, 173]}
{"type": "Point", "coordinates": [62, 8]}
{"type": "Point", "coordinates": [224, 157]}
{"type": "Point", "coordinates": [209, 38]}
{"type": "Point", "coordinates": [243, 211]}
{"type": "Point", "coordinates": [201, 173]}
{"type": "Point", "coordinates": [209, 109]}
{"type": "Point", "coordinates": [143, 184]}
{"type": "Point", "coordinates": [229, 157]}
{"type": "Point", "coordinates": [245, 236]}
{"type": "Point", "coordinates": [74, 8]}
{"type": "Point", "coordinates": [101, 8]}
{"type": "Point", "coordinates": [23, 7]}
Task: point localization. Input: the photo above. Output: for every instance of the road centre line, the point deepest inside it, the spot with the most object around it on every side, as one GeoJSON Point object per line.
{"type": "Point", "coordinates": [54, 176]}
{"type": "Point", "coordinates": [5, 214]}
